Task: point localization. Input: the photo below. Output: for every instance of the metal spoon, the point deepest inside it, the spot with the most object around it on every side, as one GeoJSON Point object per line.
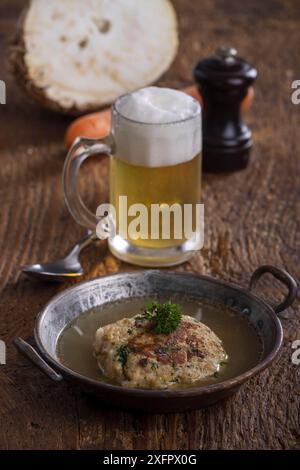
{"type": "Point", "coordinates": [67, 267]}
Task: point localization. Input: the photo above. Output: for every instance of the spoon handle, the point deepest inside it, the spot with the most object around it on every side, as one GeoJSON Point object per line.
{"type": "Point", "coordinates": [82, 243]}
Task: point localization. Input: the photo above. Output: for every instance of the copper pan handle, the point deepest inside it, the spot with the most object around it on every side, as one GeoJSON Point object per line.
{"type": "Point", "coordinates": [282, 276]}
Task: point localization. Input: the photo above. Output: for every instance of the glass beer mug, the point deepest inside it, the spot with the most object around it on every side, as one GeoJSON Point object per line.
{"type": "Point", "coordinates": [155, 175]}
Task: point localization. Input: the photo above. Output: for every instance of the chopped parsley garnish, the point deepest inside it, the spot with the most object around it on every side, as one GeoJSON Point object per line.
{"type": "Point", "coordinates": [223, 363]}
{"type": "Point", "coordinates": [122, 353]}
{"type": "Point", "coordinates": [166, 316]}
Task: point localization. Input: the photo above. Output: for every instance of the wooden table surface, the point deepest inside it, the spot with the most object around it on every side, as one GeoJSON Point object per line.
{"type": "Point", "coordinates": [252, 218]}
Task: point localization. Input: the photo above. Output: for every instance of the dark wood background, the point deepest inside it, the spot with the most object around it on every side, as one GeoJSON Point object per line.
{"type": "Point", "coordinates": [252, 218]}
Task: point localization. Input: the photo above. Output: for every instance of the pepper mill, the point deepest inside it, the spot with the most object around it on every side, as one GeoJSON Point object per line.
{"type": "Point", "coordinates": [223, 81]}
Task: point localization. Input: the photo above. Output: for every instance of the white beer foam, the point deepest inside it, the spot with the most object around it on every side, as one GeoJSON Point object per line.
{"type": "Point", "coordinates": [157, 127]}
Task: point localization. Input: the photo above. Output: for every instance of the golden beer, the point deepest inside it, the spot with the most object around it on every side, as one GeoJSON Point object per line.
{"type": "Point", "coordinates": [155, 175]}
{"type": "Point", "coordinates": [168, 185]}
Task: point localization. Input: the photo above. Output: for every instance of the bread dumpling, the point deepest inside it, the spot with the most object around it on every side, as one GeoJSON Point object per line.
{"type": "Point", "coordinates": [130, 353]}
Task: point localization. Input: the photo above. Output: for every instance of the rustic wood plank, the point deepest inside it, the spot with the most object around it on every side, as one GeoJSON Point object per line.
{"type": "Point", "coordinates": [251, 218]}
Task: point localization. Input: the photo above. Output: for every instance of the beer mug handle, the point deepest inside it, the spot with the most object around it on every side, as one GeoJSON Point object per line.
{"type": "Point", "coordinates": [81, 149]}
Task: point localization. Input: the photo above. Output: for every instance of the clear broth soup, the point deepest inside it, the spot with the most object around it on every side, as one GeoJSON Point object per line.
{"type": "Point", "coordinates": [240, 339]}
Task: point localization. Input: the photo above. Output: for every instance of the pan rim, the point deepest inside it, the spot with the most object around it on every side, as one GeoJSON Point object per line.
{"type": "Point", "coordinates": [225, 385]}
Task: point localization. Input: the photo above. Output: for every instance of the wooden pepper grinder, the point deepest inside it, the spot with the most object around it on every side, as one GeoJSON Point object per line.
{"type": "Point", "coordinates": [223, 82]}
